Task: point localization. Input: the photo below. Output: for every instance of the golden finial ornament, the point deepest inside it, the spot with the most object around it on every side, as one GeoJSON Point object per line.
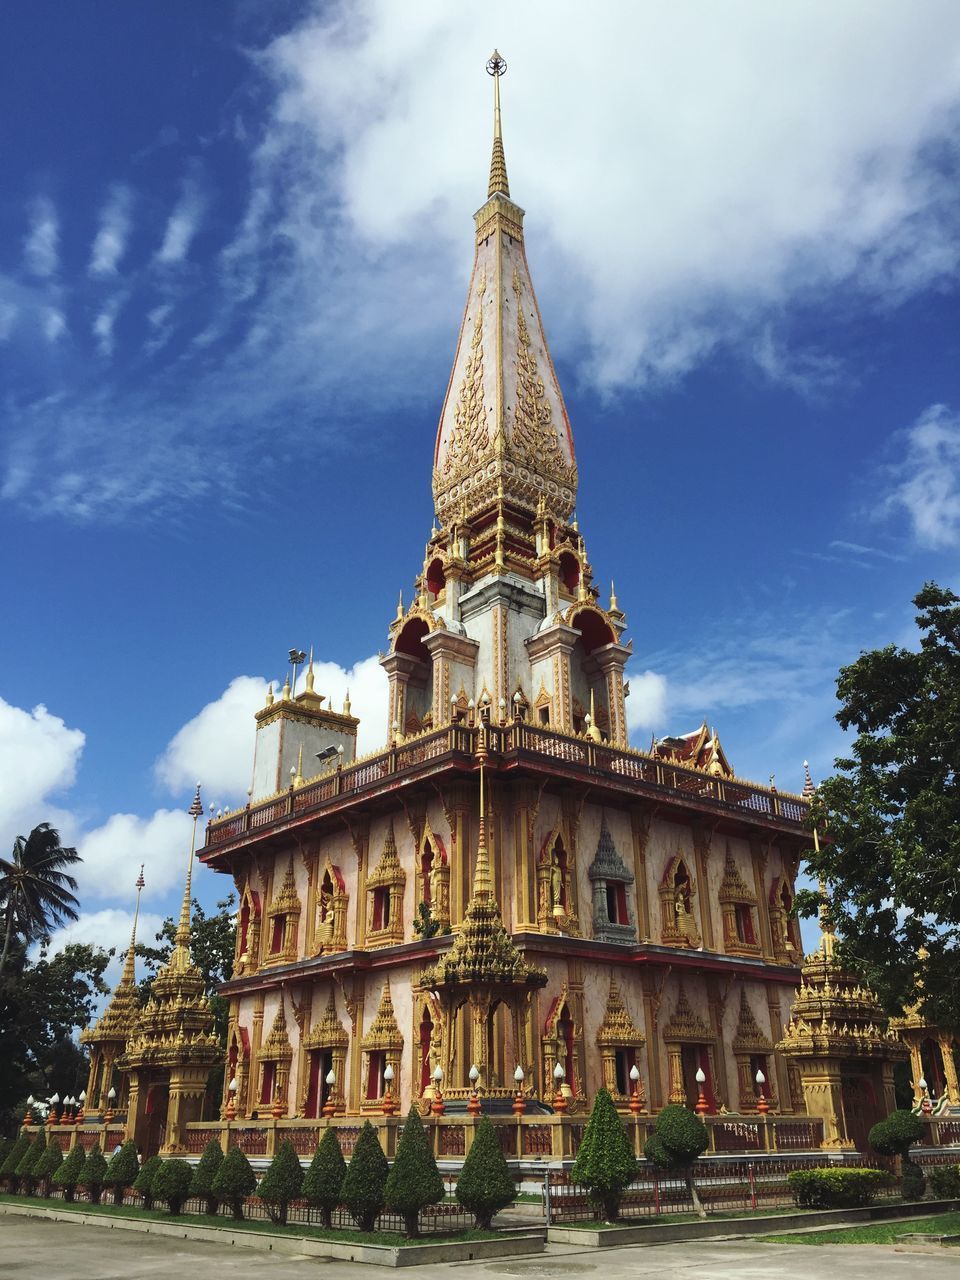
{"type": "Point", "coordinates": [298, 776]}
{"type": "Point", "coordinates": [310, 675]}
{"type": "Point", "coordinates": [498, 184]}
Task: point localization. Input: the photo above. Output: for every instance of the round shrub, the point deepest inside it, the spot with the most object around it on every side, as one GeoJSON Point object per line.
{"type": "Point", "coordinates": [234, 1181]}
{"type": "Point", "coordinates": [92, 1174]}
{"type": "Point", "coordinates": [836, 1188]}
{"type": "Point", "coordinates": [365, 1181]}
{"type": "Point", "coordinates": [171, 1182]}
{"type": "Point", "coordinates": [894, 1137]}
{"type": "Point", "coordinates": [414, 1181]}
{"type": "Point", "coordinates": [485, 1185]}
{"type": "Point", "coordinates": [122, 1169]}
{"type": "Point", "coordinates": [8, 1170]}
{"type": "Point", "coordinates": [204, 1174]}
{"type": "Point", "coordinates": [281, 1183]}
{"type": "Point", "coordinates": [323, 1183]}
{"type": "Point", "coordinates": [605, 1163]}
{"type": "Point", "coordinates": [31, 1158]}
{"type": "Point", "coordinates": [47, 1166]}
{"type": "Point", "coordinates": [70, 1172]}
{"type": "Point", "coordinates": [678, 1140]}
{"type": "Point", "coordinates": [945, 1181]}
{"type": "Point", "coordinates": [143, 1182]}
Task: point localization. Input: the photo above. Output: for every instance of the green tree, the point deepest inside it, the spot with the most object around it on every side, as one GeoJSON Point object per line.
{"type": "Point", "coordinates": [36, 893]}
{"type": "Point", "coordinates": [234, 1181]}
{"type": "Point", "coordinates": [8, 1170]}
{"type": "Point", "coordinates": [678, 1140]}
{"type": "Point", "coordinates": [605, 1163]}
{"type": "Point", "coordinates": [366, 1178]}
{"type": "Point", "coordinates": [892, 813]}
{"type": "Point", "coordinates": [281, 1183]}
{"type": "Point", "coordinates": [92, 1173]}
{"type": "Point", "coordinates": [68, 1176]}
{"type": "Point", "coordinates": [143, 1183]}
{"type": "Point", "coordinates": [414, 1181]}
{"type": "Point", "coordinates": [894, 1137]}
{"type": "Point", "coordinates": [28, 1163]}
{"type": "Point", "coordinates": [47, 1166]}
{"type": "Point", "coordinates": [171, 1182]}
{"type": "Point", "coordinates": [323, 1182]}
{"type": "Point", "coordinates": [485, 1185]}
{"type": "Point", "coordinates": [204, 1174]}
{"type": "Point", "coordinates": [122, 1170]}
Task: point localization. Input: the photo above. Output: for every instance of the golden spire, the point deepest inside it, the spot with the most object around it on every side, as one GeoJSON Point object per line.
{"type": "Point", "coordinates": [827, 937]}
{"type": "Point", "coordinates": [128, 964]}
{"type": "Point", "coordinates": [310, 676]}
{"type": "Point", "coordinates": [614, 607]}
{"type": "Point", "coordinates": [498, 165]}
{"type": "Point", "coordinates": [298, 776]}
{"type": "Point", "coordinates": [180, 959]}
{"type": "Point", "coordinates": [482, 884]}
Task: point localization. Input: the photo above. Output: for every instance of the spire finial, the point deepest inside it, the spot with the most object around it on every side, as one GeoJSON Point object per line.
{"type": "Point", "coordinates": [127, 979]}
{"type": "Point", "coordinates": [181, 950]}
{"type": "Point", "coordinates": [496, 66]}
{"type": "Point", "coordinates": [482, 886]}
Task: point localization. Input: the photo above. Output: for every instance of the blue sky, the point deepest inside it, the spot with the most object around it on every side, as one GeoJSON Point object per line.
{"type": "Point", "coordinates": [234, 243]}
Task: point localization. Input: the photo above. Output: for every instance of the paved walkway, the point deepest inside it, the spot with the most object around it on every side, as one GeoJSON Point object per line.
{"type": "Point", "coordinates": [34, 1249]}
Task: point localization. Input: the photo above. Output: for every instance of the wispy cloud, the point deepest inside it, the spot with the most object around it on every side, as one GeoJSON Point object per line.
{"type": "Point", "coordinates": [54, 323]}
{"type": "Point", "coordinates": [103, 324]}
{"type": "Point", "coordinates": [183, 224]}
{"type": "Point", "coordinates": [40, 248]}
{"type": "Point", "coordinates": [924, 483]}
{"type": "Point", "coordinates": [110, 242]}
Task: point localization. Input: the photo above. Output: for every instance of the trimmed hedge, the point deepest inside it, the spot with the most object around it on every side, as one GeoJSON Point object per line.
{"type": "Point", "coordinates": [414, 1181]}
{"type": "Point", "coordinates": [70, 1172]}
{"type": "Point", "coordinates": [143, 1183]}
{"type": "Point", "coordinates": [945, 1181]}
{"type": "Point", "coordinates": [122, 1170]}
{"type": "Point", "coordinates": [605, 1163]}
{"type": "Point", "coordinates": [836, 1188]}
{"type": "Point", "coordinates": [281, 1183]}
{"type": "Point", "coordinates": [8, 1170]}
{"type": "Point", "coordinates": [234, 1181]}
{"type": "Point", "coordinates": [171, 1182]}
{"type": "Point", "coordinates": [92, 1174]}
{"type": "Point", "coordinates": [323, 1183]}
{"type": "Point", "coordinates": [31, 1158]}
{"type": "Point", "coordinates": [204, 1174]}
{"type": "Point", "coordinates": [366, 1178]}
{"type": "Point", "coordinates": [485, 1185]}
{"type": "Point", "coordinates": [47, 1166]}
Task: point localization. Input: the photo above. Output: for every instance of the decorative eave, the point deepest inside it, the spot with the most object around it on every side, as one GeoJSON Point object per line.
{"type": "Point", "coordinates": [384, 1032]}
{"type": "Point", "coordinates": [685, 1025]}
{"type": "Point", "coordinates": [277, 1044]}
{"type": "Point", "coordinates": [328, 1033]}
{"type": "Point", "coordinates": [618, 1029]}
{"type": "Point", "coordinates": [748, 1037]}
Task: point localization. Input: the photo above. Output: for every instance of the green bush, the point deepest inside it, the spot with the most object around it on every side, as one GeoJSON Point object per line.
{"type": "Point", "coordinates": [8, 1170]}
{"type": "Point", "coordinates": [6, 1146]}
{"type": "Point", "coordinates": [47, 1166]}
{"type": "Point", "coordinates": [913, 1181]}
{"type": "Point", "coordinates": [366, 1178]}
{"type": "Point", "coordinates": [143, 1183]}
{"type": "Point", "coordinates": [204, 1174]}
{"type": "Point", "coordinates": [92, 1174]}
{"type": "Point", "coordinates": [894, 1137]}
{"type": "Point", "coordinates": [122, 1169]}
{"type": "Point", "coordinates": [171, 1182]}
{"type": "Point", "coordinates": [234, 1181]}
{"type": "Point", "coordinates": [485, 1185]}
{"type": "Point", "coordinates": [945, 1181]}
{"type": "Point", "coordinates": [31, 1158]}
{"type": "Point", "coordinates": [323, 1183]}
{"type": "Point", "coordinates": [605, 1163]}
{"type": "Point", "coordinates": [836, 1188]}
{"type": "Point", "coordinates": [414, 1181]}
{"type": "Point", "coordinates": [678, 1140]}
{"type": "Point", "coordinates": [281, 1183]}
{"type": "Point", "coordinates": [70, 1172]}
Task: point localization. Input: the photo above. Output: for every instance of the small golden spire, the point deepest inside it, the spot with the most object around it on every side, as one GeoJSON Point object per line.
{"type": "Point", "coordinates": [298, 776]}
{"type": "Point", "coordinates": [827, 937]}
{"type": "Point", "coordinates": [614, 607]}
{"type": "Point", "coordinates": [180, 959]}
{"type": "Point", "coordinates": [310, 676]}
{"type": "Point", "coordinates": [128, 976]}
{"type": "Point", "coordinates": [346, 704]}
{"type": "Point", "coordinates": [269, 702]}
{"type": "Point", "coordinates": [498, 165]}
{"type": "Point", "coordinates": [400, 608]}
{"type": "Point", "coordinates": [592, 729]}
{"type": "Point", "coordinates": [285, 691]}
{"type": "Point", "coordinates": [482, 883]}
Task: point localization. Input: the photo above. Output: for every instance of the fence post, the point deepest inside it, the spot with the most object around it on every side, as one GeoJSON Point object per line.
{"type": "Point", "coordinates": [546, 1196]}
{"type": "Point", "coordinates": [656, 1193]}
{"type": "Point", "coordinates": [753, 1185]}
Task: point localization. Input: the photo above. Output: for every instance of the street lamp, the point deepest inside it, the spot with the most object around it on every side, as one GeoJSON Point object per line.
{"type": "Point", "coordinates": [437, 1107]}
{"type": "Point", "coordinates": [763, 1106]}
{"type": "Point", "coordinates": [297, 658]}
{"type": "Point", "coordinates": [330, 1106]}
{"type": "Point", "coordinates": [389, 1105]}
{"type": "Point", "coordinates": [473, 1106]}
{"type": "Point", "coordinates": [559, 1097]}
{"type": "Point", "coordinates": [637, 1100]}
{"type": "Point", "coordinates": [519, 1102]}
{"type": "Point", "coordinates": [230, 1110]}
{"type": "Point", "coordinates": [702, 1106]}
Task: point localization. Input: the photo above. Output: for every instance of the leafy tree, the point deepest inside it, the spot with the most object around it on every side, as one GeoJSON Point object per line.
{"type": "Point", "coordinates": [281, 1183]}
{"type": "Point", "coordinates": [122, 1170]}
{"type": "Point", "coordinates": [894, 1137]}
{"type": "Point", "coordinates": [679, 1138]}
{"type": "Point", "coordinates": [234, 1181]}
{"type": "Point", "coordinates": [47, 1166]}
{"type": "Point", "coordinates": [143, 1183]}
{"type": "Point", "coordinates": [28, 1163]}
{"type": "Point", "coordinates": [8, 1170]}
{"type": "Point", "coordinates": [36, 893]}
{"type": "Point", "coordinates": [605, 1162]}
{"type": "Point", "coordinates": [366, 1178]}
{"type": "Point", "coordinates": [68, 1176]}
{"type": "Point", "coordinates": [323, 1182]}
{"type": "Point", "coordinates": [414, 1181]}
{"type": "Point", "coordinates": [485, 1185]}
{"type": "Point", "coordinates": [892, 812]}
{"type": "Point", "coordinates": [204, 1174]}
{"type": "Point", "coordinates": [171, 1182]}
{"type": "Point", "coordinates": [92, 1174]}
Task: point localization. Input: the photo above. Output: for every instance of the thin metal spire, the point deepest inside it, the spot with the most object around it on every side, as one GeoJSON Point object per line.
{"type": "Point", "coordinates": [498, 164]}
{"type": "Point", "coordinates": [182, 936]}
{"type": "Point", "coordinates": [129, 974]}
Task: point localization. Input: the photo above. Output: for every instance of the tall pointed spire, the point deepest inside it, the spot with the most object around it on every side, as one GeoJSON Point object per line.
{"type": "Point", "coordinates": [482, 882]}
{"type": "Point", "coordinates": [129, 973]}
{"type": "Point", "coordinates": [181, 951]}
{"type": "Point", "coordinates": [499, 183]}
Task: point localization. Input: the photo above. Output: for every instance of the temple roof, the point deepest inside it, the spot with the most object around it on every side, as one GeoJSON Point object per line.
{"type": "Point", "coordinates": [503, 419]}
{"type": "Point", "coordinates": [118, 1020]}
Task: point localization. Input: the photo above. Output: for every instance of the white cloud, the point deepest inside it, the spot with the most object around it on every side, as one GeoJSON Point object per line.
{"type": "Point", "coordinates": [109, 927]}
{"type": "Point", "coordinates": [925, 483]}
{"type": "Point", "coordinates": [367, 684]}
{"type": "Point", "coordinates": [112, 853]}
{"type": "Point", "coordinates": [110, 242]}
{"type": "Point", "coordinates": [103, 325]}
{"type": "Point", "coordinates": [182, 225]}
{"type": "Point", "coordinates": [647, 704]}
{"type": "Point", "coordinates": [39, 756]}
{"type": "Point", "coordinates": [54, 323]}
{"type": "Point", "coordinates": [40, 248]}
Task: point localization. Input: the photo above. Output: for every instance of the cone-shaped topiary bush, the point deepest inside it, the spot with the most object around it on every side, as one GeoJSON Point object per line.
{"type": "Point", "coordinates": [894, 1137]}
{"type": "Point", "coordinates": [171, 1182]}
{"type": "Point", "coordinates": [204, 1174]}
{"type": "Point", "coordinates": [281, 1183]}
{"type": "Point", "coordinates": [485, 1185]}
{"type": "Point", "coordinates": [679, 1138]}
{"type": "Point", "coordinates": [6, 1146]}
{"type": "Point", "coordinates": [234, 1181]}
{"type": "Point", "coordinates": [70, 1172]}
{"type": "Point", "coordinates": [323, 1183]}
{"type": "Point", "coordinates": [143, 1183]}
{"type": "Point", "coordinates": [365, 1179]}
{"type": "Point", "coordinates": [91, 1176]}
{"type": "Point", "coordinates": [8, 1170]}
{"type": "Point", "coordinates": [605, 1163]}
{"type": "Point", "coordinates": [414, 1181]}
{"type": "Point", "coordinates": [46, 1167]}
{"type": "Point", "coordinates": [122, 1169]}
{"type": "Point", "coordinates": [31, 1158]}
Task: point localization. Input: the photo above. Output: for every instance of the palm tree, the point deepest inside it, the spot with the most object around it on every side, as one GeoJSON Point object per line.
{"type": "Point", "coordinates": [35, 891]}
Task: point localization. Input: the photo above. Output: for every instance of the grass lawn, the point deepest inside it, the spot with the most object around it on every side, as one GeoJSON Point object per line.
{"type": "Point", "coordinates": [654, 1219]}
{"type": "Point", "coordinates": [875, 1232]}
{"type": "Point", "coordinates": [390, 1238]}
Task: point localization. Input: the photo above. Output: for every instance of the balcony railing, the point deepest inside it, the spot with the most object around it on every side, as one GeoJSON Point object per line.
{"type": "Point", "coordinates": [573, 754]}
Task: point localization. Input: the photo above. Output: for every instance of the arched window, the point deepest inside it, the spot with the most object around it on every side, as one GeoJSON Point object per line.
{"type": "Point", "coordinates": [436, 580]}
{"type": "Point", "coordinates": [570, 571]}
